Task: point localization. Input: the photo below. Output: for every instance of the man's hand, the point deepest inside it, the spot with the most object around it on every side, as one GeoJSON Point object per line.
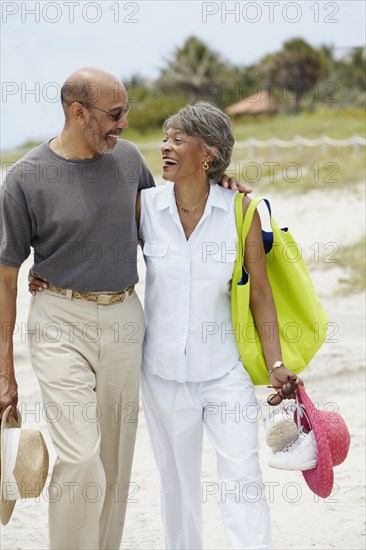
{"type": "Point", "coordinates": [8, 395]}
{"type": "Point", "coordinates": [232, 183]}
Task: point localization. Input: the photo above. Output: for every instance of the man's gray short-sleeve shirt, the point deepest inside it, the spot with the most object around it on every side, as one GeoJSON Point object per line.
{"type": "Point", "coordinates": [78, 215]}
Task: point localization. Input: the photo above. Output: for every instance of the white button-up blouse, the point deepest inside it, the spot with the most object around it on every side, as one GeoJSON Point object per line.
{"type": "Point", "coordinates": [189, 333]}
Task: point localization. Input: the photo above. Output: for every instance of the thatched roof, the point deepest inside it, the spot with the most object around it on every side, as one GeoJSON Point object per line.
{"type": "Point", "coordinates": [260, 102]}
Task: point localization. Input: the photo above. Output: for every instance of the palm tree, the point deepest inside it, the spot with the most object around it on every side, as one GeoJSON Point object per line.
{"type": "Point", "coordinates": [191, 68]}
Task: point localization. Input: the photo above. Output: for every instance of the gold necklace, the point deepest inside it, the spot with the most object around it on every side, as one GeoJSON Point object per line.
{"type": "Point", "coordinates": [62, 149]}
{"type": "Point", "coordinates": [190, 210]}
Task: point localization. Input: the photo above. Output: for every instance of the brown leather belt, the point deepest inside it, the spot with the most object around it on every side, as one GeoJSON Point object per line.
{"type": "Point", "coordinates": [101, 299]}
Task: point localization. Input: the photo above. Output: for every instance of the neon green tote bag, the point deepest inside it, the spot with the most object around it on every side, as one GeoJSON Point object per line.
{"type": "Point", "coordinates": [302, 321]}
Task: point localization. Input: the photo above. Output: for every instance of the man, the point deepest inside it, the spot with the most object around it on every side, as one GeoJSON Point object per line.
{"type": "Point", "coordinates": [76, 206]}
{"type": "Point", "coordinates": [73, 200]}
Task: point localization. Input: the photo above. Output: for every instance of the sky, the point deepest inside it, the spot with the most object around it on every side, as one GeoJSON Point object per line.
{"type": "Point", "coordinates": [43, 42]}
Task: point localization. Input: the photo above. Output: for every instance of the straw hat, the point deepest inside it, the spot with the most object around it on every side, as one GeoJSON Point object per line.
{"type": "Point", "coordinates": [333, 442]}
{"type": "Point", "coordinates": [24, 464]}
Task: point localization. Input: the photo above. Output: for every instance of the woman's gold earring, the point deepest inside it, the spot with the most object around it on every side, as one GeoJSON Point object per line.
{"type": "Point", "coordinates": [205, 165]}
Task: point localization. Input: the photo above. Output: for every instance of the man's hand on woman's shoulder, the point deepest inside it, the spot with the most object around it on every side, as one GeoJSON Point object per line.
{"type": "Point", "coordinates": [229, 182]}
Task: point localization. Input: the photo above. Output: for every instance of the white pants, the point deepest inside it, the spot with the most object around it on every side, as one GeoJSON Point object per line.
{"type": "Point", "coordinates": [175, 415]}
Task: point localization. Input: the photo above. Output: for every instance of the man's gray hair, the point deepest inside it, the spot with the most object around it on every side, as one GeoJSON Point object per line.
{"type": "Point", "coordinates": [214, 127]}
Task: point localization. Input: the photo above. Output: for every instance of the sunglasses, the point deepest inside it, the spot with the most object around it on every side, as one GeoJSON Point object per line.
{"type": "Point", "coordinates": [288, 390]}
{"type": "Point", "coordinates": [117, 116]}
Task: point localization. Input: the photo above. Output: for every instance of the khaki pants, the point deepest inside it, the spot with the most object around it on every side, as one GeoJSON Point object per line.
{"type": "Point", "coordinates": [87, 359]}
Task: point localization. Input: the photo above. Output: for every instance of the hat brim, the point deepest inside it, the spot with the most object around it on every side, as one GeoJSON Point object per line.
{"type": "Point", "coordinates": [320, 479]}
{"type": "Point", "coordinates": [6, 506]}
{"type": "Point", "coordinates": [6, 510]}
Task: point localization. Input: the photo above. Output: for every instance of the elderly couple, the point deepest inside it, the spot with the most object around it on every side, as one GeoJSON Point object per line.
{"type": "Point", "coordinates": [83, 211]}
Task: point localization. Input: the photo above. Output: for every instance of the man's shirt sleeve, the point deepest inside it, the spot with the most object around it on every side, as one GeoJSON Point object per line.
{"type": "Point", "coordinates": [15, 225]}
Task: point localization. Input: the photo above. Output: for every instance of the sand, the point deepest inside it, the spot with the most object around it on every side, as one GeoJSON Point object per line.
{"type": "Point", "coordinates": [335, 379]}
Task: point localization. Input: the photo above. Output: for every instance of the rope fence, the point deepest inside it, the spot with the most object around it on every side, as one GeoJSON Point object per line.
{"type": "Point", "coordinates": [356, 142]}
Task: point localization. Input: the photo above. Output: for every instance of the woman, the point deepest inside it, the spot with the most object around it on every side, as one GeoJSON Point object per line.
{"type": "Point", "coordinates": [192, 376]}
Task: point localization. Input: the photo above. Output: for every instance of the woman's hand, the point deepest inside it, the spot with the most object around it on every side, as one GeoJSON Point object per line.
{"type": "Point", "coordinates": [36, 283]}
{"type": "Point", "coordinates": [284, 381]}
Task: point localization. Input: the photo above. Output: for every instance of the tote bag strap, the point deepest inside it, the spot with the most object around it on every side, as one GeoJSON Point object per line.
{"type": "Point", "coordinates": [243, 225]}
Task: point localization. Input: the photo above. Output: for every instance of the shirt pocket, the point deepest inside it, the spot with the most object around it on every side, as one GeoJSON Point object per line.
{"type": "Point", "coordinates": [156, 255]}
{"type": "Point", "coordinates": [221, 264]}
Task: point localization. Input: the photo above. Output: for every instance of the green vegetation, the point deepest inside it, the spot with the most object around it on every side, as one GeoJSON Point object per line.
{"type": "Point", "coordinates": [321, 167]}
{"type": "Point", "coordinates": [312, 168]}
{"type": "Point", "coordinates": [193, 68]}
{"type": "Point", "coordinates": [337, 124]}
{"type": "Point", "coordinates": [300, 169]}
{"type": "Point", "coordinates": [9, 157]}
{"type": "Point", "coordinates": [149, 114]}
{"type": "Point", "coordinates": [315, 93]}
{"type": "Point", "coordinates": [317, 167]}
{"type": "Point", "coordinates": [297, 67]}
{"type": "Point", "coordinates": [298, 77]}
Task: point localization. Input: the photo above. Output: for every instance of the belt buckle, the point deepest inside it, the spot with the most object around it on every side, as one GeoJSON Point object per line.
{"type": "Point", "coordinates": [104, 299]}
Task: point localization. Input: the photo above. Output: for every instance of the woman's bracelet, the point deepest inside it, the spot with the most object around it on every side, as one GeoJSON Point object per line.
{"type": "Point", "coordinates": [275, 366]}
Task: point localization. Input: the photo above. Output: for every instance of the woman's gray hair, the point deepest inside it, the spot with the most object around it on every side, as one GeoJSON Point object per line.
{"type": "Point", "coordinates": [214, 127]}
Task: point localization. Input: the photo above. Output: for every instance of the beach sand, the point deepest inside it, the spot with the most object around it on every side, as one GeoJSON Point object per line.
{"type": "Point", "coordinates": [335, 380]}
